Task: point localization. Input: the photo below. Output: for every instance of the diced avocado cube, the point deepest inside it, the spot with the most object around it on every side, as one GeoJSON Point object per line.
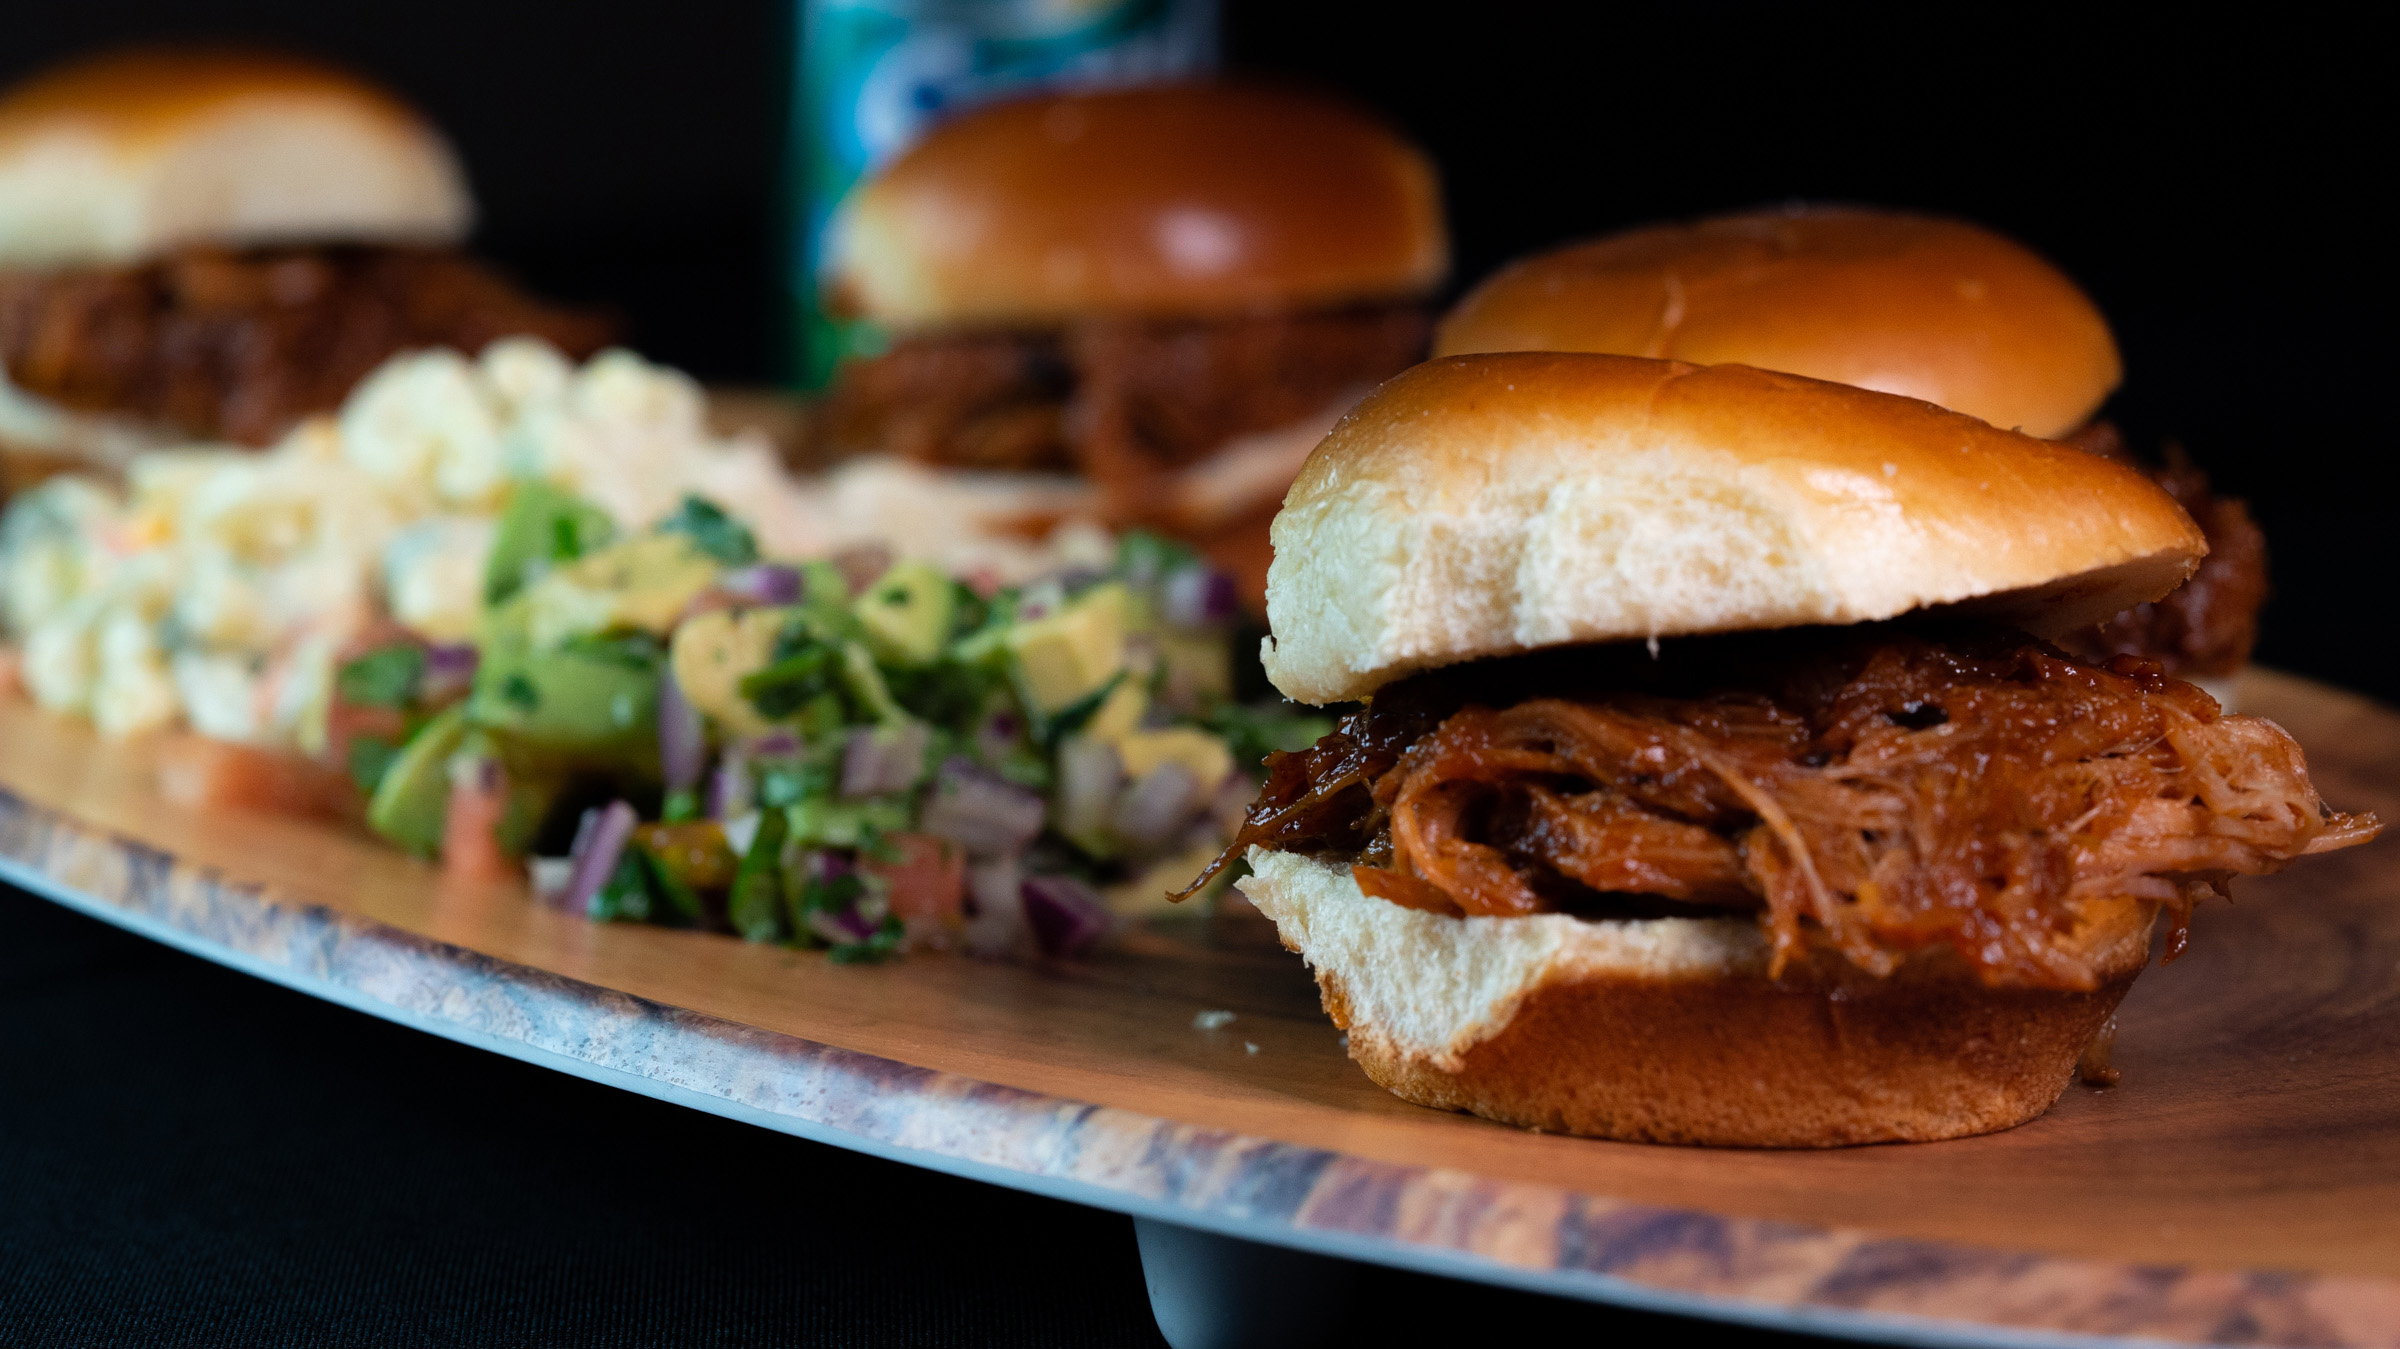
{"type": "Point", "coordinates": [411, 805]}
{"type": "Point", "coordinates": [1190, 746]}
{"type": "Point", "coordinates": [866, 685]}
{"type": "Point", "coordinates": [823, 822]}
{"type": "Point", "coordinates": [907, 614]}
{"type": "Point", "coordinates": [714, 652]}
{"type": "Point", "coordinates": [1072, 653]}
{"type": "Point", "coordinates": [532, 787]}
{"type": "Point", "coordinates": [1120, 712]}
{"type": "Point", "coordinates": [541, 528]}
{"type": "Point", "coordinates": [569, 703]}
{"type": "Point", "coordinates": [642, 585]}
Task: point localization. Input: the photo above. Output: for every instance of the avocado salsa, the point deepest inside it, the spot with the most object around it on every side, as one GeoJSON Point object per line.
{"type": "Point", "coordinates": [859, 753]}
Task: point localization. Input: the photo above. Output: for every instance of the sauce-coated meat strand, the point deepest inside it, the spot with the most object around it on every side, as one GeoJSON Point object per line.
{"type": "Point", "coordinates": [1881, 791]}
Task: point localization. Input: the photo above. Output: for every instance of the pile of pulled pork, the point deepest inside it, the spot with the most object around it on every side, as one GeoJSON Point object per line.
{"type": "Point", "coordinates": [1878, 790]}
{"type": "Point", "coordinates": [1123, 400]}
{"type": "Point", "coordinates": [239, 345]}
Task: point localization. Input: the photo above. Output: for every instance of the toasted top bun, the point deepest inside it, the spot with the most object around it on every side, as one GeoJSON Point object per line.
{"type": "Point", "coordinates": [128, 155]}
{"type": "Point", "coordinates": [1483, 505]}
{"type": "Point", "coordinates": [1183, 201]}
{"type": "Point", "coordinates": [1934, 309]}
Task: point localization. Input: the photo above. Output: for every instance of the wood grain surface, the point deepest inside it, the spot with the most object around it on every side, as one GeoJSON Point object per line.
{"type": "Point", "coordinates": [2254, 1140]}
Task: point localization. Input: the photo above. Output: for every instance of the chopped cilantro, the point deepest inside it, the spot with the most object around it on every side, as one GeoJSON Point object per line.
{"type": "Point", "coordinates": [755, 905]}
{"type": "Point", "coordinates": [945, 693]}
{"type": "Point", "coordinates": [793, 681]}
{"type": "Point", "coordinates": [633, 650]}
{"type": "Point", "coordinates": [521, 692]}
{"type": "Point", "coordinates": [874, 950]}
{"type": "Point", "coordinates": [370, 759]}
{"type": "Point", "coordinates": [1066, 721]}
{"type": "Point", "coordinates": [713, 532]}
{"type": "Point", "coordinates": [387, 676]}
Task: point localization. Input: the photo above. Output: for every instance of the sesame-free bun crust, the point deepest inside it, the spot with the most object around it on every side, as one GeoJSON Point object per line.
{"type": "Point", "coordinates": [1934, 309]}
{"type": "Point", "coordinates": [128, 155]}
{"type": "Point", "coordinates": [1670, 1030]}
{"type": "Point", "coordinates": [1486, 505]}
{"type": "Point", "coordinates": [1183, 201]}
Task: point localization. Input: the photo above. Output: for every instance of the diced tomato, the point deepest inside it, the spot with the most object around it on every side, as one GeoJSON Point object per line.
{"type": "Point", "coordinates": [194, 770]}
{"type": "Point", "coordinates": [928, 878]}
{"type": "Point", "coordinates": [471, 828]}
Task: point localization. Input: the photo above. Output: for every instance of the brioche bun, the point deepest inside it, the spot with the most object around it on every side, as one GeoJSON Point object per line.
{"type": "Point", "coordinates": [1485, 505]}
{"type": "Point", "coordinates": [1197, 201]}
{"type": "Point", "coordinates": [1933, 309]}
{"type": "Point", "coordinates": [132, 154]}
{"type": "Point", "coordinates": [1669, 1030]}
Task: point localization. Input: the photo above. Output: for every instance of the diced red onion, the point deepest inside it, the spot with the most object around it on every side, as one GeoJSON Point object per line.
{"type": "Point", "coordinates": [996, 907]}
{"type": "Point", "coordinates": [980, 811]}
{"type": "Point", "coordinates": [1199, 597]}
{"type": "Point", "coordinates": [880, 760]}
{"type": "Point", "coordinates": [1066, 915]}
{"type": "Point", "coordinates": [764, 583]}
{"type": "Point", "coordinates": [449, 672]}
{"type": "Point", "coordinates": [772, 745]}
{"type": "Point", "coordinates": [600, 841]}
{"type": "Point", "coordinates": [730, 789]}
{"type": "Point", "coordinates": [1090, 773]}
{"type": "Point", "coordinates": [840, 929]}
{"type": "Point", "coordinates": [1152, 814]}
{"type": "Point", "coordinates": [682, 740]}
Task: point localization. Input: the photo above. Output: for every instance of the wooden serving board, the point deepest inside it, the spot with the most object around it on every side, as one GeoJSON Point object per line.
{"type": "Point", "coordinates": [2242, 1184]}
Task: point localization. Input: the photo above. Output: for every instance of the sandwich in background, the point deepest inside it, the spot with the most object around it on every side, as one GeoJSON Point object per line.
{"type": "Point", "coordinates": [1173, 290]}
{"type": "Point", "coordinates": [1919, 306]}
{"type": "Point", "coordinates": [213, 244]}
{"type": "Point", "coordinates": [1715, 784]}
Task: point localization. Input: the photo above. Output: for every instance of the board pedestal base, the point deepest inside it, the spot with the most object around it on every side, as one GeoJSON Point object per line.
{"type": "Point", "coordinates": [1217, 1292]}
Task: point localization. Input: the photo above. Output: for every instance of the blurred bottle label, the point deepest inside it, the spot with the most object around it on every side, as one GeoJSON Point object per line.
{"type": "Point", "coordinates": [875, 74]}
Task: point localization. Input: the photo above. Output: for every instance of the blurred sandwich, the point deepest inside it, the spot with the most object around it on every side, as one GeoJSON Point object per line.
{"type": "Point", "coordinates": [1928, 308]}
{"type": "Point", "coordinates": [1176, 291]}
{"type": "Point", "coordinates": [214, 244]}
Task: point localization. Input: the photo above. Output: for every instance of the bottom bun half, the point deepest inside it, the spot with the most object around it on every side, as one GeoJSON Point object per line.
{"type": "Point", "coordinates": [1670, 1030]}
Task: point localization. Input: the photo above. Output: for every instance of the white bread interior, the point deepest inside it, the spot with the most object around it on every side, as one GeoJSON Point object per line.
{"type": "Point", "coordinates": [1484, 505]}
{"type": "Point", "coordinates": [1428, 987]}
{"type": "Point", "coordinates": [1672, 1030]}
{"type": "Point", "coordinates": [133, 156]}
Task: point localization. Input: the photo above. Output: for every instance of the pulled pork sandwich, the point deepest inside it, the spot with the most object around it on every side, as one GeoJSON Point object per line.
{"type": "Point", "coordinates": [1930, 308]}
{"type": "Point", "coordinates": [1715, 781]}
{"type": "Point", "coordinates": [1173, 290]}
{"type": "Point", "coordinates": [216, 244]}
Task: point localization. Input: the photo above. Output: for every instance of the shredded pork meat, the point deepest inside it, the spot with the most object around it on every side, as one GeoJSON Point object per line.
{"type": "Point", "coordinates": [241, 345]}
{"type": "Point", "coordinates": [1123, 400]}
{"type": "Point", "coordinates": [2207, 625]}
{"type": "Point", "coordinates": [1881, 791]}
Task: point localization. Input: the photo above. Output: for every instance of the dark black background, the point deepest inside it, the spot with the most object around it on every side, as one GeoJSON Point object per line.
{"type": "Point", "coordinates": [2214, 182]}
